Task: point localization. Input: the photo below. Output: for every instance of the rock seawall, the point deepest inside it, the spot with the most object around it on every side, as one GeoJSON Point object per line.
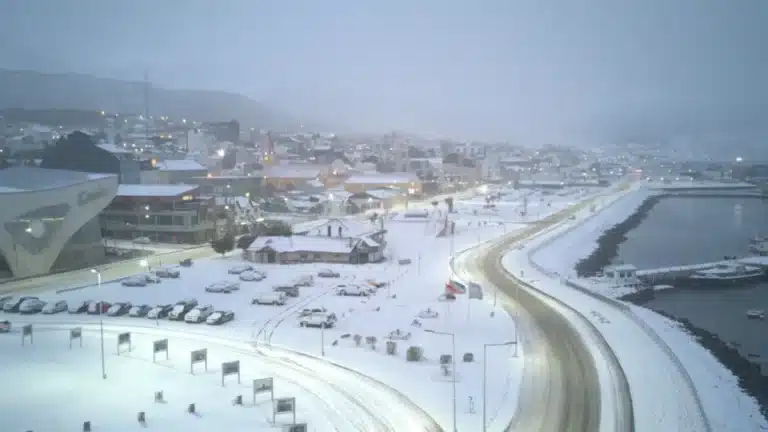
{"type": "Point", "coordinates": [608, 243]}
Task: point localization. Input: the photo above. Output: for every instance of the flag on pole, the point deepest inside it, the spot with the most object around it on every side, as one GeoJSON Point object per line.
{"type": "Point", "coordinates": [455, 287]}
{"type": "Point", "coordinates": [475, 291]}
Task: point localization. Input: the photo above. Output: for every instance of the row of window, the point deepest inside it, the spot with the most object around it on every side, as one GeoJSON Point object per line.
{"type": "Point", "coordinates": [150, 220]}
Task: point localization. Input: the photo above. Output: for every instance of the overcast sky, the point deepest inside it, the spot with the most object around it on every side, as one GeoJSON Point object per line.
{"type": "Point", "coordinates": [529, 69]}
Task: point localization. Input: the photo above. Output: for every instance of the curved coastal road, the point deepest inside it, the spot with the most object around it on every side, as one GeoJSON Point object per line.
{"type": "Point", "coordinates": [560, 389]}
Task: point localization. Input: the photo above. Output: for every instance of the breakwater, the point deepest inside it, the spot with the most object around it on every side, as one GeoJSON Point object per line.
{"type": "Point", "coordinates": [752, 379]}
{"type": "Point", "coordinates": [608, 243]}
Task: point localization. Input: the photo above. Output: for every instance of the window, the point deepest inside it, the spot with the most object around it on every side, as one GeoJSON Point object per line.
{"type": "Point", "coordinates": [178, 220]}
{"type": "Point", "coordinates": [194, 220]}
{"type": "Point", "coordinates": [163, 220]}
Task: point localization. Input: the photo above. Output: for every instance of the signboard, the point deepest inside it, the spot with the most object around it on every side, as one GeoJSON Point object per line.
{"type": "Point", "coordinates": [198, 356]}
{"type": "Point", "coordinates": [124, 339]}
{"type": "Point", "coordinates": [160, 346]}
{"type": "Point", "coordinates": [263, 385]}
{"type": "Point", "coordinates": [26, 331]}
{"type": "Point", "coordinates": [284, 406]}
{"type": "Point", "coordinates": [76, 333]}
{"type": "Point", "coordinates": [475, 291]}
{"type": "Point", "coordinates": [230, 368]}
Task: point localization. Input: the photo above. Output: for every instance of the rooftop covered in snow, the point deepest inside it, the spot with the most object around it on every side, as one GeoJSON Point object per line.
{"type": "Point", "coordinates": [27, 178]}
{"type": "Point", "coordinates": [383, 179]}
{"type": "Point", "coordinates": [153, 190]}
{"type": "Point", "coordinates": [179, 165]}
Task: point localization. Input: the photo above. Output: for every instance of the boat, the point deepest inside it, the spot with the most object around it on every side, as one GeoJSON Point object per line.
{"type": "Point", "coordinates": [727, 274]}
{"type": "Point", "coordinates": [760, 249]}
{"type": "Point", "coordinates": [756, 314]}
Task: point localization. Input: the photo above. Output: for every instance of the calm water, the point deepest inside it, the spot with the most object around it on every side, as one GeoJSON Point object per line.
{"type": "Point", "coordinates": [680, 231]}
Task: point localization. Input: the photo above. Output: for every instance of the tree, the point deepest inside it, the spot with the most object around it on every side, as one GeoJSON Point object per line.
{"type": "Point", "coordinates": [449, 203]}
{"type": "Point", "coordinates": [244, 242]}
{"type": "Point", "coordinates": [274, 228]}
{"type": "Point", "coordinates": [224, 244]}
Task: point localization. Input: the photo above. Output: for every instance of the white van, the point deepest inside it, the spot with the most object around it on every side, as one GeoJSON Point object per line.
{"type": "Point", "coordinates": [274, 298]}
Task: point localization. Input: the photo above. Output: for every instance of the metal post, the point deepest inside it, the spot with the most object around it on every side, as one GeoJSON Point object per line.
{"type": "Point", "coordinates": [485, 376]}
{"type": "Point", "coordinates": [322, 340]}
{"type": "Point", "coordinates": [453, 372]}
{"type": "Point", "coordinates": [100, 305]}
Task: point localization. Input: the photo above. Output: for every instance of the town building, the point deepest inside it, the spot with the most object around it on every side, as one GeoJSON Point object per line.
{"type": "Point", "coordinates": [405, 182]}
{"type": "Point", "coordinates": [173, 171]}
{"type": "Point", "coordinates": [50, 219]}
{"type": "Point", "coordinates": [163, 213]}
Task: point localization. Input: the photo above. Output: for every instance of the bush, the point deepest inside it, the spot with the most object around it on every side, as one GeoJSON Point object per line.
{"type": "Point", "coordinates": [224, 244]}
{"type": "Point", "coordinates": [469, 357]}
{"type": "Point", "coordinates": [414, 354]}
{"type": "Point", "coordinates": [391, 348]}
{"type": "Point", "coordinates": [358, 339]}
{"type": "Point", "coordinates": [446, 359]}
{"type": "Point", "coordinates": [371, 340]}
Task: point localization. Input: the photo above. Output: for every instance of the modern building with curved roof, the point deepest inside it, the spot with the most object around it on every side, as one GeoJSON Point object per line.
{"type": "Point", "coordinates": [50, 219]}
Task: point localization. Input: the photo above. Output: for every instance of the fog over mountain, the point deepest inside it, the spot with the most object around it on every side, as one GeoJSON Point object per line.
{"type": "Point", "coordinates": [529, 70]}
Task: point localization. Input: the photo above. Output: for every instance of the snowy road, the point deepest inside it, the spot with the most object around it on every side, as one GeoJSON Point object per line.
{"type": "Point", "coordinates": [351, 401]}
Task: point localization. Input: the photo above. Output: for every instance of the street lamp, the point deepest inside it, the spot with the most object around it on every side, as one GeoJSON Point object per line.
{"type": "Point", "coordinates": [100, 305]}
{"type": "Point", "coordinates": [485, 375]}
{"type": "Point", "coordinates": [453, 368]}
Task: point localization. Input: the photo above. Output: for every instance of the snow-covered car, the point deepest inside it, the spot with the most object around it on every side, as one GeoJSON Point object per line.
{"type": "Point", "coordinates": [236, 270]}
{"type": "Point", "coordinates": [252, 276]}
{"type": "Point", "coordinates": [222, 287]}
{"type": "Point", "coordinates": [376, 284]}
{"type": "Point", "coordinates": [310, 311]}
{"type": "Point", "coordinates": [289, 290]}
{"type": "Point", "coordinates": [269, 298]}
{"type": "Point", "coordinates": [428, 313]}
{"type": "Point", "coordinates": [142, 240]}
{"type": "Point", "coordinates": [167, 272]}
{"type": "Point", "coordinates": [198, 314]}
{"type": "Point", "coordinates": [134, 281]}
{"type": "Point", "coordinates": [187, 262]}
{"type": "Point", "coordinates": [399, 335]}
{"type": "Point", "coordinates": [4, 299]}
{"type": "Point", "coordinates": [98, 307]}
{"type": "Point", "coordinates": [78, 307]}
{"type": "Point", "coordinates": [119, 309]}
{"type": "Point", "coordinates": [5, 326]}
{"type": "Point", "coordinates": [139, 311]}
{"type": "Point", "coordinates": [324, 320]}
{"type": "Point", "coordinates": [13, 304]}
{"type": "Point", "coordinates": [180, 309]}
{"type": "Point", "coordinates": [31, 306]}
{"type": "Point", "coordinates": [159, 311]}
{"type": "Point", "coordinates": [304, 281]}
{"type": "Point", "coordinates": [328, 273]}
{"type": "Point", "coordinates": [351, 290]}
{"type": "Point", "coordinates": [55, 307]}
{"type": "Point", "coordinates": [220, 317]}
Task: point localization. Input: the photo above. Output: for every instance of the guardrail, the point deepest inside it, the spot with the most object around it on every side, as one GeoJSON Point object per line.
{"type": "Point", "coordinates": [624, 308]}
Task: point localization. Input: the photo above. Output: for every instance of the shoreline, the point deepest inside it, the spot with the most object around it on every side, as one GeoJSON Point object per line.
{"type": "Point", "coordinates": [749, 374]}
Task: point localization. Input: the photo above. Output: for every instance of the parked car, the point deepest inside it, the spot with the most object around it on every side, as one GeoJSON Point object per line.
{"type": "Point", "coordinates": [142, 240]}
{"type": "Point", "coordinates": [324, 320]}
{"type": "Point", "coordinates": [351, 290]}
{"type": "Point", "coordinates": [289, 290]}
{"type": "Point", "coordinates": [160, 311]}
{"type": "Point", "coordinates": [79, 307]}
{"type": "Point", "coordinates": [271, 298]}
{"type": "Point", "coordinates": [252, 276]}
{"type": "Point", "coordinates": [220, 317]}
{"type": "Point", "coordinates": [139, 311]}
{"type": "Point", "coordinates": [13, 304]}
{"type": "Point", "coordinates": [240, 269]}
{"type": "Point", "coordinates": [119, 309]}
{"type": "Point", "coordinates": [31, 306]}
{"type": "Point", "coordinates": [186, 262]}
{"type": "Point", "coordinates": [55, 307]}
{"type": "Point", "coordinates": [98, 307]}
{"type": "Point", "coordinates": [5, 326]}
{"type": "Point", "coordinates": [222, 287]}
{"type": "Point", "coordinates": [180, 309]}
{"type": "Point", "coordinates": [4, 299]}
{"type": "Point", "coordinates": [328, 273]}
{"type": "Point", "coordinates": [167, 272]}
{"type": "Point", "coordinates": [304, 281]}
{"type": "Point", "coordinates": [310, 311]}
{"type": "Point", "coordinates": [198, 314]}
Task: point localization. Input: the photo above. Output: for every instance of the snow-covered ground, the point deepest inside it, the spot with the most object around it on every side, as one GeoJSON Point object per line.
{"type": "Point", "coordinates": [412, 289]}
{"type": "Point", "coordinates": [670, 375]}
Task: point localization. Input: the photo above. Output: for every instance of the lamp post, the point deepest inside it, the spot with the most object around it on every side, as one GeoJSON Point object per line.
{"type": "Point", "coordinates": [453, 368]}
{"type": "Point", "coordinates": [485, 375]}
{"type": "Point", "coordinates": [100, 305]}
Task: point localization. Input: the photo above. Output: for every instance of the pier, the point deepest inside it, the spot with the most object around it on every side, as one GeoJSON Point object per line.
{"type": "Point", "coordinates": [671, 274]}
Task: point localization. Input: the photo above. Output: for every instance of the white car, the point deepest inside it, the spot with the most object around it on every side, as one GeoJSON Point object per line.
{"type": "Point", "coordinates": [324, 320]}
{"type": "Point", "coordinates": [55, 307]}
{"type": "Point", "coordinates": [240, 269]}
{"type": "Point", "coordinates": [31, 306]}
{"type": "Point", "coordinates": [351, 290]}
{"type": "Point", "coordinates": [142, 240]}
{"type": "Point", "coordinates": [304, 281]}
{"type": "Point", "coordinates": [222, 287]}
{"type": "Point", "coordinates": [168, 272]}
{"type": "Point", "coordinates": [269, 298]}
{"type": "Point", "coordinates": [134, 281]}
{"type": "Point", "coordinates": [252, 276]}
{"type": "Point", "coordinates": [315, 310]}
{"type": "Point", "coordinates": [328, 273]}
{"type": "Point", "coordinates": [198, 314]}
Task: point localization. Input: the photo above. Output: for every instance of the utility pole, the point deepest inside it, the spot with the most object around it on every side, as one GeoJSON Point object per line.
{"type": "Point", "coordinates": [146, 106]}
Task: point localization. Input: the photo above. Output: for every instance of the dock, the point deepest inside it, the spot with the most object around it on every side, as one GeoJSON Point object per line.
{"type": "Point", "coordinates": [670, 274]}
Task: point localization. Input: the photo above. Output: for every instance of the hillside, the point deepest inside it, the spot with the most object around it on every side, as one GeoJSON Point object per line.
{"type": "Point", "coordinates": [35, 90]}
